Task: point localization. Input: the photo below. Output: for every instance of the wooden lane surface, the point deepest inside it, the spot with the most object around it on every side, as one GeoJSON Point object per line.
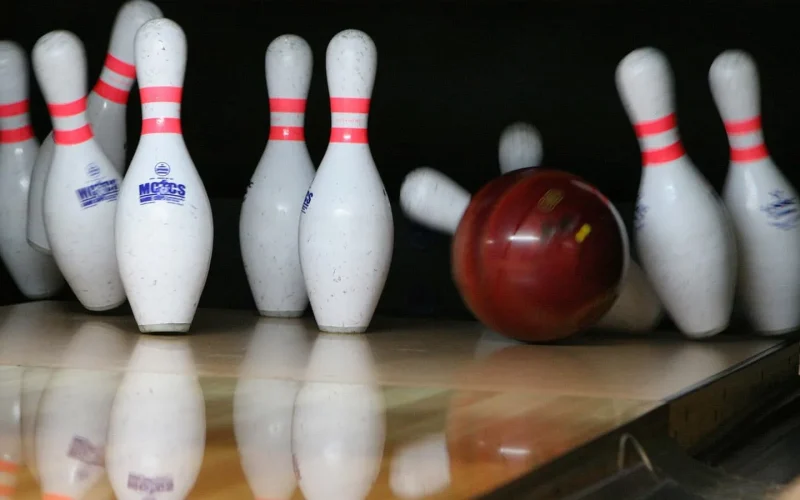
{"type": "Point", "coordinates": [443, 384]}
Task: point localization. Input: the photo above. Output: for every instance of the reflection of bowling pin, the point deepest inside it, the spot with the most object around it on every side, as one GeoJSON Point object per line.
{"type": "Point", "coordinates": [157, 429]}
{"type": "Point", "coordinates": [163, 196]}
{"type": "Point", "coordinates": [430, 198]}
{"type": "Point", "coordinates": [346, 227]}
{"type": "Point", "coordinates": [72, 422]}
{"type": "Point", "coordinates": [81, 191]}
{"type": "Point", "coordinates": [270, 217]}
{"type": "Point", "coordinates": [520, 146]}
{"type": "Point", "coordinates": [762, 202]}
{"type": "Point", "coordinates": [683, 234]}
{"type": "Point", "coordinates": [421, 467]}
{"type": "Point", "coordinates": [10, 431]}
{"type": "Point", "coordinates": [339, 420]}
{"type": "Point", "coordinates": [106, 109]}
{"type": "Point", "coordinates": [36, 275]}
{"type": "Point", "coordinates": [263, 406]}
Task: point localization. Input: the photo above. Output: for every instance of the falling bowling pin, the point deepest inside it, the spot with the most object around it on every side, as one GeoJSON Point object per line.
{"type": "Point", "coordinates": [346, 226]}
{"type": "Point", "coordinates": [520, 146]}
{"type": "Point", "coordinates": [80, 199]}
{"type": "Point", "coordinates": [35, 274]}
{"type": "Point", "coordinates": [270, 218]}
{"type": "Point", "coordinates": [106, 109]}
{"type": "Point", "coordinates": [762, 202]}
{"type": "Point", "coordinates": [434, 200]}
{"type": "Point", "coordinates": [683, 234]}
{"type": "Point", "coordinates": [164, 227]}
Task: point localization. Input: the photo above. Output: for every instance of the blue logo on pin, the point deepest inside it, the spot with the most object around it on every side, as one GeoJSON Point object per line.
{"type": "Point", "coordinates": [97, 189]}
{"type": "Point", "coordinates": [162, 188]}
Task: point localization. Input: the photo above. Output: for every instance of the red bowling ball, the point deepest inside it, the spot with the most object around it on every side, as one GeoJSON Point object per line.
{"type": "Point", "coordinates": [539, 255]}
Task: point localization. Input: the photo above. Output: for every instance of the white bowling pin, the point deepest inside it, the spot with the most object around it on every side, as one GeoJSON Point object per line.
{"type": "Point", "coordinates": [164, 227]}
{"type": "Point", "coordinates": [346, 226]}
{"type": "Point", "coordinates": [685, 241]}
{"type": "Point", "coordinates": [157, 429]}
{"type": "Point", "coordinates": [520, 146]}
{"type": "Point", "coordinates": [762, 202]}
{"type": "Point", "coordinates": [270, 217]}
{"type": "Point", "coordinates": [36, 275]}
{"type": "Point", "coordinates": [10, 430]}
{"type": "Point", "coordinates": [80, 198]}
{"type": "Point", "coordinates": [339, 425]}
{"type": "Point", "coordinates": [432, 199]}
{"type": "Point", "coordinates": [106, 110]}
{"type": "Point", "coordinates": [73, 418]}
{"type": "Point", "coordinates": [263, 406]}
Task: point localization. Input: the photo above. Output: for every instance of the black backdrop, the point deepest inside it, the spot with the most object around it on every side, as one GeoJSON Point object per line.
{"type": "Point", "coordinates": [450, 76]}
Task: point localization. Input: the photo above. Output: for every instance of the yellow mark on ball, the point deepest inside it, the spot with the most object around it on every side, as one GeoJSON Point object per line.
{"type": "Point", "coordinates": [550, 200]}
{"type": "Point", "coordinates": [582, 233]}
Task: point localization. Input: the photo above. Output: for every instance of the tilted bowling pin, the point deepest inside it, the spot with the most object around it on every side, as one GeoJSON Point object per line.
{"type": "Point", "coordinates": [762, 202]}
{"type": "Point", "coordinates": [164, 227]}
{"type": "Point", "coordinates": [157, 428]}
{"type": "Point", "coordinates": [346, 226]}
{"type": "Point", "coordinates": [432, 199]}
{"type": "Point", "coordinates": [520, 146]}
{"type": "Point", "coordinates": [80, 198]}
{"type": "Point", "coordinates": [270, 218]}
{"type": "Point", "coordinates": [36, 275]}
{"type": "Point", "coordinates": [683, 233]}
{"type": "Point", "coordinates": [106, 110]}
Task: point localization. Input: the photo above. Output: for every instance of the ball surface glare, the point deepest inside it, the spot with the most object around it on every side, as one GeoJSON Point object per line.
{"type": "Point", "coordinates": [539, 255]}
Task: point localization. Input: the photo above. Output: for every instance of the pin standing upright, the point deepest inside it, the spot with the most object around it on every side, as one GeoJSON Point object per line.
{"type": "Point", "coordinates": [165, 230]}
{"type": "Point", "coordinates": [106, 109]}
{"type": "Point", "coordinates": [35, 274]}
{"type": "Point", "coordinates": [80, 198]}
{"type": "Point", "coordinates": [270, 218]}
{"type": "Point", "coordinates": [682, 230]}
{"type": "Point", "coordinates": [762, 202]}
{"type": "Point", "coordinates": [346, 226]}
{"type": "Point", "coordinates": [520, 146]}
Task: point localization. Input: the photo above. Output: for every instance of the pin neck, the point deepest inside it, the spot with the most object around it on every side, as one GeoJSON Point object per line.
{"type": "Point", "coordinates": [659, 141]}
{"type": "Point", "coordinates": [116, 80]}
{"type": "Point", "coordinates": [161, 110]}
{"type": "Point", "coordinates": [746, 140]}
{"type": "Point", "coordinates": [349, 117]}
{"type": "Point", "coordinates": [15, 123]}
{"type": "Point", "coordinates": [287, 117]}
{"type": "Point", "coordinates": [70, 126]}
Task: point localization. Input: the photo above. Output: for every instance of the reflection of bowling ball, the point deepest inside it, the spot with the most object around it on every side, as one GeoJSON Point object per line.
{"type": "Point", "coordinates": [539, 254]}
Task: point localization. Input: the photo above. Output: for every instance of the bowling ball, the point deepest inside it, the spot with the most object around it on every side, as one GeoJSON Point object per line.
{"type": "Point", "coordinates": [539, 255]}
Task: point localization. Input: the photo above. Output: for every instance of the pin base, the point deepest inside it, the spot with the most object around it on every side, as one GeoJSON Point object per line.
{"type": "Point", "coordinates": [281, 314]}
{"type": "Point", "coordinates": [782, 331]}
{"type": "Point", "coordinates": [706, 334]}
{"type": "Point", "coordinates": [105, 308]}
{"type": "Point", "coordinates": [342, 329]}
{"type": "Point", "coordinates": [165, 328]}
{"type": "Point", "coordinates": [43, 295]}
{"type": "Point", "coordinates": [41, 249]}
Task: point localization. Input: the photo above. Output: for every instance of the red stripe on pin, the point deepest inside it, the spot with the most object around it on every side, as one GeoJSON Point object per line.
{"type": "Point", "coordinates": [662, 155]}
{"type": "Point", "coordinates": [13, 135]}
{"type": "Point", "coordinates": [753, 153]}
{"type": "Point", "coordinates": [285, 105]}
{"type": "Point", "coordinates": [160, 94]}
{"type": "Point", "coordinates": [13, 109]}
{"type": "Point", "coordinates": [736, 127]}
{"type": "Point", "coordinates": [68, 108]}
{"type": "Point", "coordinates": [111, 93]}
{"type": "Point", "coordinates": [120, 67]}
{"type": "Point", "coordinates": [349, 135]}
{"type": "Point", "coordinates": [653, 127]}
{"type": "Point", "coordinates": [349, 105]}
{"type": "Point", "coordinates": [73, 137]}
{"type": "Point", "coordinates": [161, 126]}
{"type": "Point", "coordinates": [287, 134]}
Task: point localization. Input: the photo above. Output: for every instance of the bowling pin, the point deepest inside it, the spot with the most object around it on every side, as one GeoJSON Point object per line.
{"type": "Point", "coordinates": [263, 406]}
{"type": "Point", "coordinates": [106, 110]}
{"type": "Point", "coordinates": [36, 275]}
{"type": "Point", "coordinates": [80, 198]}
{"type": "Point", "coordinates": [157, 428]}
{"type": "Point", "coordinates": [164, 227]}
{"type": "Point", "coordinates": [682, 230]}
{"type": "Point", "coordinates": [346, 226]}
{"type": "Point", "coordinates": [434, 200]}
{"type": "Point", "coordinates": [520, 147]}
{"type": "Point", "coordinates": [339, 425]}
{"type": "Point", "coordinates": [762, 202]}
{"type": "Point", "coordinates": [270, 218]}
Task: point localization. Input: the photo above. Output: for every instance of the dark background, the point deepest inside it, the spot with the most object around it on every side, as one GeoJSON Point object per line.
{"type": "Point", "coordinates": [451, 76]}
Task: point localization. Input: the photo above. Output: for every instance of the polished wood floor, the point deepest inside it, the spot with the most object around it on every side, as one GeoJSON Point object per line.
{"type": "Point", "coordinates": [247, 407]}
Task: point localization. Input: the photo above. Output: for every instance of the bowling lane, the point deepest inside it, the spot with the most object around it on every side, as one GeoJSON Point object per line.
{"type": "Point", "coordinates": [413, 408]}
